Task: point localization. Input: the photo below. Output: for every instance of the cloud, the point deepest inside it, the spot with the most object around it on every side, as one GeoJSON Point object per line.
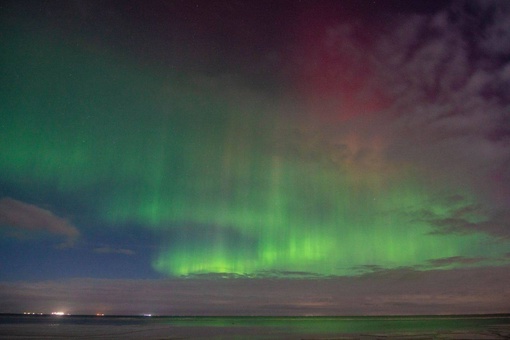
{"type": "Point", "coordinates": [263, 274]}
{"type": "Point", "coordinates": [398, 291]}
{"type": "Point", "coordinates": [456, 260]}
{"type": "Point", "coordinates": [29, 217]}
{"type": "Point", "coordinates": [444, 77]}
{"type": "Point", "coordinates": [487, 24]}
{"type": "Point", "coordinates": [110, 250]}
{"type": "Point", "coordinates": [495, 225]}
{"type": "Point", "coordinates": [466, 219]}
{"type": "Point", "coordinates": [449, 115]}
{"type": "Point", "coordinates": [368, 268]}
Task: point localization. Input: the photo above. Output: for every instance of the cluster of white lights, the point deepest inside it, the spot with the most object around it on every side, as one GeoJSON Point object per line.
{"type": "Point", "coordinates": [58, 313]}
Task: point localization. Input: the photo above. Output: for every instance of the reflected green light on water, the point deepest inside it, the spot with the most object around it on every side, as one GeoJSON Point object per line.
{"type": "Point", "coordinates": [126, 327]}
{"type": "Point", "coordinates": [348, 325]}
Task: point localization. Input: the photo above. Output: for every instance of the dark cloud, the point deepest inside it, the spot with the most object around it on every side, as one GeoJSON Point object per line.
{"type": "Point", "coordinates": [24, 216]}
{"type": "Point", "coordinates": [285, 274]}
{"type": "Point", "coordinates": [398, 291]}
{"type": "Point", "coordinates": [368, 268]}
{"type": "Point", "coordinates": [466, 220]}
{"type": "Point", "coordinates": [456, 260]}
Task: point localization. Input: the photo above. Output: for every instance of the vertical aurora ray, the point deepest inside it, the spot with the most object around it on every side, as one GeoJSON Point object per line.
{"type": "Point", "coordinates": [218, 173]}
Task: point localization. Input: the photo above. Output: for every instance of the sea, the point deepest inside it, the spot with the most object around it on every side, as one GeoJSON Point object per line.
{"type": "Point", "coordinates": [15, 326]}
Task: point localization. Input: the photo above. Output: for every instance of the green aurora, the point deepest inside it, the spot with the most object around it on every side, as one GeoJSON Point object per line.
{"type": "Point", "coordinates": [230, 186]}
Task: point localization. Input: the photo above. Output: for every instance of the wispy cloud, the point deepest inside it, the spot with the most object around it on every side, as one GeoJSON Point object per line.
{"type": "Point", "coordinates": [449, 113]}
{"type": "Point", "coordinates": [443, 80]}
{"type": "Point", "coordinates": [29, 217]}
{"type": "Point", "coordinates": [456, 260]}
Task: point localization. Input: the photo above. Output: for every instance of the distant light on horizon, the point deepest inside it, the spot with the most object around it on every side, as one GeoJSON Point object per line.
{"type": "Point", "coordinates": [59, 313]}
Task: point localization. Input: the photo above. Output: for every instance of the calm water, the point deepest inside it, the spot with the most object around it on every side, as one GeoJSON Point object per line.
{"type": "Point", "coordinates": [451, 327]}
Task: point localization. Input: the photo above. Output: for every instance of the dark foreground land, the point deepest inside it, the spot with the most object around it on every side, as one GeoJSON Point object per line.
{"type": "Point", "coordinates": [127, 327]}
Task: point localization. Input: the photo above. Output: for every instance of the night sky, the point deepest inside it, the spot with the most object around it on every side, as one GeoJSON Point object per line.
{"type": "Point", "coordinates": [255, 157]}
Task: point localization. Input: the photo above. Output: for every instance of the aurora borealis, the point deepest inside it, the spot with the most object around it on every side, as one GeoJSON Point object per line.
{"type": "Point", "coordinates": [256, 144]}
